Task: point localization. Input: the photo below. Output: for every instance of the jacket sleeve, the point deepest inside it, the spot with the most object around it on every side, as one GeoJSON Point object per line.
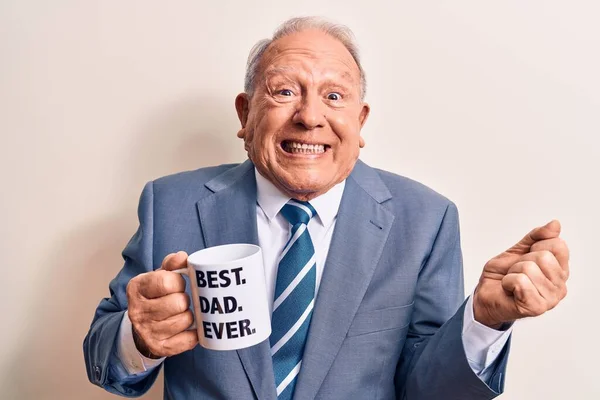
{"type": "Point", "coordinates": [99, 346]}
{"type": "Point", "coordinates": [433, 364]}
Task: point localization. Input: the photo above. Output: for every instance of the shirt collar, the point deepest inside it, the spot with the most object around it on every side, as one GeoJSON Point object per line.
{"type": "Point", "coordinates": [272, 200]}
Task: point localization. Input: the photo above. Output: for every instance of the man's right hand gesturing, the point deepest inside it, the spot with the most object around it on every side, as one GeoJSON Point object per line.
{"type": "Point", "coordinates": [159, 310]}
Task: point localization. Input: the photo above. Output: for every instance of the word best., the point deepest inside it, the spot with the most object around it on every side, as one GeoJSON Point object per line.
{"type": "Point", "coordinates": [219, 279]}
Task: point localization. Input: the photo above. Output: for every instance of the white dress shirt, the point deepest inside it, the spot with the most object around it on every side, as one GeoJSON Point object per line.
{"type": "Point", "coordinates": [481, 343]}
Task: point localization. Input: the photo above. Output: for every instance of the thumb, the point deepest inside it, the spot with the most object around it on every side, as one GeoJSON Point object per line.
{"type": "Point", "coordinates": [548, 231]}
{"type": "Point", "coordinates": [175, 261]}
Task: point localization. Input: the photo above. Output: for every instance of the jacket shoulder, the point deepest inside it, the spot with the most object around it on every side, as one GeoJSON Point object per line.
{"type": "Point", "coordinates": [411, 192]}
{"type": "Point", "coordinates": [187, 180]}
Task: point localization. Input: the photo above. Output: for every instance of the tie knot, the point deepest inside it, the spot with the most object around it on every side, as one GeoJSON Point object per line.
{"type": "Point", "coordinates": [296, 212]}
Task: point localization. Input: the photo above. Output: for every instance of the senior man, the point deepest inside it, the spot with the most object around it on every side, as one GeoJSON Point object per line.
{"type": "Point", "coordinates": [389, 317]}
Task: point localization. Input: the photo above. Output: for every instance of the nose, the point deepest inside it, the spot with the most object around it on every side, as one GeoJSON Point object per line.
{"type": "Point", "coordinates": [310, 113]}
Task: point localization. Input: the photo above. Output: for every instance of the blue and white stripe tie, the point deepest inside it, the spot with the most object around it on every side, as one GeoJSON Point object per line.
{"type": "Point", "coordinates": [294, 298]}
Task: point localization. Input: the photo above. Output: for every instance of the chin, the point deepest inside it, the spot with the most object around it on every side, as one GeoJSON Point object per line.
{"type": "Point", "coordinates": [306, 185]}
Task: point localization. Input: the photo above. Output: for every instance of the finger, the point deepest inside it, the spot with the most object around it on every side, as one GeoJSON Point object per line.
{"type": "Point", "coordinates": [548, 264]}
{"type": "Point", "coordinates": [174, 345]}
{"type": "Point", "coordinates": [166, 307]}
{"type": "Point", "coordinates": [528, 301]}
{"type": "Point", "coordinates": [544, 286]}
{"type": "Point", "coordinates": [556, 246]}
{"type": "Point", "coordinates": [548, 231]}
{"type": "Point", "coordinates": [160, 283]}
{"type": "Point", "coordinates": [172, 326]}
{"type": "Point", "coordinates": [175, 261]}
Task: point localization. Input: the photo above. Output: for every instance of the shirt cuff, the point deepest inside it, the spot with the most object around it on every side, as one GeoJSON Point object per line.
{"type": "Point", "coordinates": [482, 344]}
{"type": "Point", "coordinates": [134, 362]}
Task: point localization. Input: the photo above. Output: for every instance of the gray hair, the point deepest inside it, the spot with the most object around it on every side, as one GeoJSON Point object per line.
{"type": "Point", "coordinates": [299, 24]}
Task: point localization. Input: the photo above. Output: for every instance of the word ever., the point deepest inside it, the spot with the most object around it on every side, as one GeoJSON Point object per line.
{"type": "Point", "coordinates": [232, 330]}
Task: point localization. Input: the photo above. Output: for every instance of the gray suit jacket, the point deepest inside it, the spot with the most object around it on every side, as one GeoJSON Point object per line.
{"type": "Point", "coordinates": [388, 318]}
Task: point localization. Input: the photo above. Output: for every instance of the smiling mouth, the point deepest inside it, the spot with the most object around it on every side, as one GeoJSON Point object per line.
{"type": "Point", "coordinates": [303, 148]}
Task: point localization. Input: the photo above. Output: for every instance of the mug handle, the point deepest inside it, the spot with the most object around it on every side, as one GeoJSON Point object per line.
{"type": "Point", "coordinates": [184, 271]}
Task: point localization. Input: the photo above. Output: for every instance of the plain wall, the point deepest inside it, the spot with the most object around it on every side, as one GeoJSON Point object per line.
{"type": "Point", "coordinates": [495, 105]}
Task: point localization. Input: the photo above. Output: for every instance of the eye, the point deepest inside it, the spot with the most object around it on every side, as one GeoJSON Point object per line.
{"type": "Point", "coordinates": [334, 96]}
{"type": "Point", "coordinates": [285, 92]}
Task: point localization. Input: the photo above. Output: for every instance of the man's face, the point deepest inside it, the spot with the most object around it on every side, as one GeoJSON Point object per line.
{"type": "Point", "coordinates": [301, 127]}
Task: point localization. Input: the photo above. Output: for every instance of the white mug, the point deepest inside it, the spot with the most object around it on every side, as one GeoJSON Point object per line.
{"type": "Point", "coordinates": [229, 296]}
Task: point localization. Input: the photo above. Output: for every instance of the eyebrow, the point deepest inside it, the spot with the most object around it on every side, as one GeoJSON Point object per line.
{"type": "Point", "coordinates": [330, 83]}
{"type": "Point", "coordinates": [283, 70]}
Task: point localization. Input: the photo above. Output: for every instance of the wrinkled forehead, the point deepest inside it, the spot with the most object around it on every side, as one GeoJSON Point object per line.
{"type": "Point", "coordinates": [311, 52]}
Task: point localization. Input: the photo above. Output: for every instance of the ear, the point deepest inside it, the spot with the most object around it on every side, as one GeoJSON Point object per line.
{"type": "Point", "coordinates": [362, 118]}
{"type": "Point", "coordinates": [364, 114]}
{"type": "Point", "coordinates": [242, 106]}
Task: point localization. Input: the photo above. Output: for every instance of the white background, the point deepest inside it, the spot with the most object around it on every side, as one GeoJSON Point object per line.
{"type": "Point", "coordinates": [493, 104]}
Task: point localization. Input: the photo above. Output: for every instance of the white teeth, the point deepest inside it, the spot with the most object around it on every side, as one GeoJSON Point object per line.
{"type": "Point", "coordinates": [303, 148]}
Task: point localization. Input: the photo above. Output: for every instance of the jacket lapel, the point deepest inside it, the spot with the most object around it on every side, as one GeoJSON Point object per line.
{"type": "Point", "coordinates": [361, 231]}
{"type": "Point", "coordinates": [228, 215]}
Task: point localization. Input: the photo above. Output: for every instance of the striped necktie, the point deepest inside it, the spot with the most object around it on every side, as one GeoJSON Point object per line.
{"type": "Point", "coordinates": [294, 298]}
